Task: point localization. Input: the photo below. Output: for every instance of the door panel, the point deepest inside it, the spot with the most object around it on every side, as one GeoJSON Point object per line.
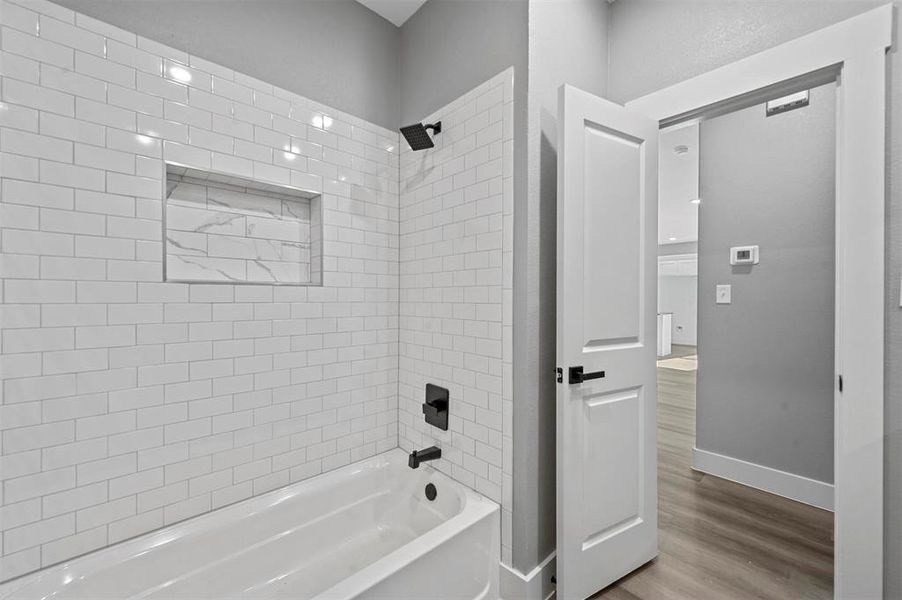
{"type": "Point", "coordinates": [611, 221]}
{"type": "Point", "coordinates": [606, 287]}
{"type": "Point", "coordinates": [613, 423]}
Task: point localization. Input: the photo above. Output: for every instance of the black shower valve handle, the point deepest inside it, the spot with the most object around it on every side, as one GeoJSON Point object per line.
{"type": "Point", "coordinates": [435, 408]}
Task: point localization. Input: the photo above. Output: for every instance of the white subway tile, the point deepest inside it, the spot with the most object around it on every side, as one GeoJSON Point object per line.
{"type": "Point", "coordinates": [252, 115]}
{"type": "Point", "coordinates": [102, 514]}
{"type": "Point", "coordinates": [18, 17]}
{"type": "Point", "coordinates": [38, 533]}
{"type": "Point", "coordinates": [135, 483]}
{"type": "Point", "coordinates": [45, 292]}
{"type": "Point", "coordinates": [71, 36]}
{"type": "Point", "coordinates": [37, 98]}
{"type": "Point", "coordinates": [105, 425]}
{"type": "Point", "coordinates": [135, 100]}
{"type": "Point", "coordinates": [234, 91]}
{"type": "Point", "coordinates": [165, 89]}
{"type": "Point", "coordinates": [104, 336]}
{"type": "Point", "coordinates": [73, 361]}
{"type": "Point", "coordinates": [67, 221]}
{"type": "Point", "coordinates": [104, 381]}
{"type": "Point", "coordinates": [184, 154]}
{"type": "Point", "coordinates": [20, 513]}
{"type": "Point", "coordinates": [211, 141]}
{"type": "Point", "coordinates": [39, 484]}
{"type": "Point", "coordinates": [106, 469]}
{"type": "Point", "coordinates": [186, 509]}
{"type": "Point", "coordinates": [182, 113]}
{"type": "Point", "coordinates": [18, 241]}
{"type": "Point", "coordinates": [217, 105]}
{"type": "Point", "coordinates": [103, 247]}
{"type": "Point", "coordinates": [126, 54]}
{"type": "Point", "coordinates": [71, 129]}
{"type": "Point", "coordinates": [74, 499]}
{"type": "Point", "coordinates": [21, 365]}
{"type": "Point", "coordinates": [37, 340]}
{"type": "Point", "coordinates": [56, 173]}
{"type": "Point", "coordinates": [133, 526]}
{"type": "Point", "coordinates": [104, 114]}
{"type": "Point", "coordinates": [74, 545]}
{"type": "Point", "coordinates": [160, 374]}
{"type": "Point", "coordinates": [190, 76]}
{"type": "Point", "coordinates": [73, 83]}
{"type": "Point", "coordinates": [108, 292]}
{"type": "Point", "coordinates": [46, 51]}
{"type": "Point", "coordinates": [136, 229]}
{"type": "Point", "coordinates": [105, 70]}
{"type": "Point", "coordinates": [26, 389]}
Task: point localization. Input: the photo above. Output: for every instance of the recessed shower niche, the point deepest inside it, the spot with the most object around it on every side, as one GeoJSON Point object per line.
{"type": "Point", "coordinates": [225, 229]}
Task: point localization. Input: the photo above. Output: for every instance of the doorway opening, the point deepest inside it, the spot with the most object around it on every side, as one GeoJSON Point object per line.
{"type": "Point", "coordinates": [745, 376]}
{"type": "Point", "coordinates": [607, 518]}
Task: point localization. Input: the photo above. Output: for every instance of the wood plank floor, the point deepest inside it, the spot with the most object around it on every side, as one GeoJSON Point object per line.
{"type": "Point", "coordinates": [718, 539]}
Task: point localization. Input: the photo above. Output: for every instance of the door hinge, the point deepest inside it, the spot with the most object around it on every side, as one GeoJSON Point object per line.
{"type": "Point", "coordinates": [559, 374]}
{"type": "Point", "coordinates": [840, 383]}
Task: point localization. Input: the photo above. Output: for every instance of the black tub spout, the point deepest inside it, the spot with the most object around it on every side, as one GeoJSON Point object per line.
{"type": "Point", "coordinates": [420, 456]}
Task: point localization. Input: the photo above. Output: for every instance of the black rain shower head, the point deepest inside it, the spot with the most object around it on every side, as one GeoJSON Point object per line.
{"type": "Point", "coordinates": [417, 137]}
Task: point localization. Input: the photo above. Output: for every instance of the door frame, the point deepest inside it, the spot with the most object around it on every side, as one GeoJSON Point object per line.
{"type": "Point", "coordinates": [853, 53]}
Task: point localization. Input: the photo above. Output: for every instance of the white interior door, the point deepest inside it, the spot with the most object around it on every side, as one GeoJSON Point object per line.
{"type": "Point", "coordinates": [606, 306]}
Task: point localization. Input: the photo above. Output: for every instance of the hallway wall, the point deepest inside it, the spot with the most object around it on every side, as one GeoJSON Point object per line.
{"type": "Point", "coordinates": [765, 379]}
{"type": "Point", "coordinates": [679, 295]}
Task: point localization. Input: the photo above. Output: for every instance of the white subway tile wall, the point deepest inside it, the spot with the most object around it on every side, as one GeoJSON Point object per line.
{"type": "Point", "coordinates": [129, 403]}
{"type": "Point", "coordinates": [456, 282]}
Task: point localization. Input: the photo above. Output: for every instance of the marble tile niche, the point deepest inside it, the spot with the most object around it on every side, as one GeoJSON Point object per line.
{"type": "Point", "coordinates": [226, 229]}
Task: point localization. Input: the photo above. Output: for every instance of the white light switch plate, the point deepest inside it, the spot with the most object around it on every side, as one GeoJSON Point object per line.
{"type": "Point", "coordinates": [724, 294]}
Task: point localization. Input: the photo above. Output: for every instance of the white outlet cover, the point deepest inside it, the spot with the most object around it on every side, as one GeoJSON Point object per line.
{"type": "Point", "coordinates": [724, 294]}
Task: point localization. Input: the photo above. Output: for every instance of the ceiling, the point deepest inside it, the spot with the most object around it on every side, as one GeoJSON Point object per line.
{"type": "Point", "coordinates": [394, 11]}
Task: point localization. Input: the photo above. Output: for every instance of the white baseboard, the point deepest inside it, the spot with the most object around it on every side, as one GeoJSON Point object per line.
{"type": "Point", "coordinates": [535, 585]}
{"type": "Point", "coordinates": [795, 487]}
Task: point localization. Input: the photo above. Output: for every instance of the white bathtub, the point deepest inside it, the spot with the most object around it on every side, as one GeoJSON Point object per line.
{"type": "Point", "coordinates": [364, 531]}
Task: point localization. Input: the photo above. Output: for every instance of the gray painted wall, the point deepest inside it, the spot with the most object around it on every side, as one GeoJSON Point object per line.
{"type": "Point", "coordinates": [450, 46]}
{"type": "Point", "coordinates": [567, 44]}
{"type": "Point", "coordinates": [765, 379]}
{"type": "Point", "coordinates": [655, 43]}
{"type": "Point", "coordinates": [333, 51]}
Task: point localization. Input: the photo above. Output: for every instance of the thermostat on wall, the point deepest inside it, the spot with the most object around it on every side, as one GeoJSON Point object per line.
{"type": "Point", "coordinates": [744, 255]}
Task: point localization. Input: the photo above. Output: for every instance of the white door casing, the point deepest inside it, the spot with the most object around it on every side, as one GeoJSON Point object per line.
{"type": "Point", "coordinates": [854, 51]}
{"type": "Point", "coordinates": [606, 307]}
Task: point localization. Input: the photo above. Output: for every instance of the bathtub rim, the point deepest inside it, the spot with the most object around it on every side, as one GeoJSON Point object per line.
{"type": "Point", "coordinates": [473, 508]}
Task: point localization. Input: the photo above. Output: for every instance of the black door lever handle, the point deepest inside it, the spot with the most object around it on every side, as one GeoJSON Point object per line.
{"type": "Point", "coordinates": [578, 376]}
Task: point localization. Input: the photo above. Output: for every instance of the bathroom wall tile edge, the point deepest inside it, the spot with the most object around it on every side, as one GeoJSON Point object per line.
{"type": "Point", "coordinates": [460, 198]}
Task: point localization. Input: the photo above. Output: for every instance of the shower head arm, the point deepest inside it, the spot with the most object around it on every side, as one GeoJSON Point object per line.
{"type": "Point", "coordinates": [435, 127]}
